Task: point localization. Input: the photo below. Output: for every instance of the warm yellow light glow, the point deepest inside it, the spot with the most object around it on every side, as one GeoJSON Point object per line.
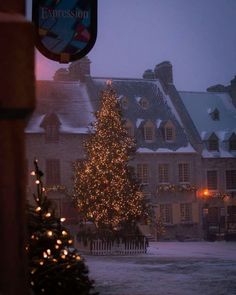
{"type": "Point", "coordinates": [78, 258]}
{"type": "Point", "coordinates": [63, 256]}
{"type": "Point", "coordinates": [45, 255]}
{"type": "Point", "coordinates": [57, 247]}
{"type": "Point", "coordinates": [70, 242]}
{"type": "Point", "coordinates": [32, 173]}
{"type": "Point", "coordinates": [64, 233]}
{"type": "Point", "coordinates": [41, 262]}
{"type": "Point", "coordinates": [49, 233]}
{"type": "Point", "coordinates": [48, 214]}
{"type": "Point", "coordinates": [63, 219]}
{"type": "Point", "coordinates": [38, 209]}
{"type": "Point", "coordinates": [206, 193]}
{"type": "Point", "coordinates": [59, 242]}
{"type": "Point", "coordinates": [65, 252]}
{"type": "Point", "coordinates": [37, 181]}
{"type": "Point", "coordinates": [48, 251]}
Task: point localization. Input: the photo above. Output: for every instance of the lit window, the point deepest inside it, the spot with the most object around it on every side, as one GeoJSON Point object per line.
{"type": "Point", "coordinates": [53, 172]}
{"type": "Point", "coordinates": [166, 213]}
{"type": "Point", "coordinates": [142, 173]}
{"type": "Point", "coordinates": [212, 180]}
{"type": "Point", "coordinates": [184, 175]}
{"type": "Point", "coordinates": [230, 179]}
{"type": "Point", "coordinates": [186, 212]}
{"type": "Point", "coordinates": [163, 173]}
{"type": "Point", "coordinates": [144, 103]}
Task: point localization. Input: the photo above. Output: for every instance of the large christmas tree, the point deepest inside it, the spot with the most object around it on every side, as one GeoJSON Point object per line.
{"type": "Point", "coordinates": [106, 192]}
{"type": "Point", "coordinates": [55, 267]}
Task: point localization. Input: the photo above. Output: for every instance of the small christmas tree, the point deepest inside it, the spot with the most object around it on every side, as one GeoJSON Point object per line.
{"type": "Point", "coordinates": [55, 267]}
{"type": "Point", "coordinates": [106, 191]}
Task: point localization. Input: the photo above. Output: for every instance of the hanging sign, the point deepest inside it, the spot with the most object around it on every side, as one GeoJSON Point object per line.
{"type": "Point", "coordinates": [65, 30]}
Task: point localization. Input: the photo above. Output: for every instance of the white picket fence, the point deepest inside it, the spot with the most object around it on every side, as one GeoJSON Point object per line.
{"type": "Point", "coordinates": [99, 247]}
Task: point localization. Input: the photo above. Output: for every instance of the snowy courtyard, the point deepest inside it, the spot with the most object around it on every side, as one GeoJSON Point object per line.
{"type": "Point", "coordinates": [173, 268]}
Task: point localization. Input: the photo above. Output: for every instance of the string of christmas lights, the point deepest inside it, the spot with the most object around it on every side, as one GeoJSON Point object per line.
{"type": "Point", "coordinates": [104, 189]}
{"type": "Point", "coordinates": [55, 267]}
{"type": "Point", "coordinates": [176, 188]}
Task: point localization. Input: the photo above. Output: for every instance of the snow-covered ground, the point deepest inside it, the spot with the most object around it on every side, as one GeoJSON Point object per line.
{"type": "Point", "coordinates": [169, 268]}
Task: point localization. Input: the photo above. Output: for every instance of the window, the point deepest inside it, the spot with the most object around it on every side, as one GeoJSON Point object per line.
{"type": "Point", "coordinates": [215, 115]}
{"type": "Point", "coordinates": [186, 212]}
{"type": "Point", "coordinates": [52, 133]}
{"type": "Point", "coordinates": [163, 173]}
{"type": "Point", "coordinates": [184, 173]}
{"type": "Point", "coordinates": [129, 128]}
{"type": "Point", "coordinates": [212, 181]}
{"type": "Point", "coordinates": [53, 172]}
{"type": "Point", "coordinates": [169, 131]}
{"type": "Point", "coordinates": [142, 173]}
{"type": "Point", "coordinates": [124, 103]}
{"type": "Point", "coordinates": [149, 131]}
{"type": "Point", "coordinates": [232, 142]}
{"type": "Point", "coordinates": [166, 213]}
{"type": "Point", "coordinates": [169, 134]}
{"type": "Point", "coordinates": [144, 103]}
{"type": "Point", "coordinates": [231, 179]}
{"type": "Point", "coordinates": [213, 143]}
{"type": "Point", "coordinates": [51, 124]}
{"type": "Point", "coordinates": [57, 206]}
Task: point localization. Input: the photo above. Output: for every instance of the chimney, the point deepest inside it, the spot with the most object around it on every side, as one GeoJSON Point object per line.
{"type": "Point", "coordinates": [163, 71]}
{"type": "Point", "coordinates": [79, 69]}
{"type": "Point", "coordinates": [148, 74]}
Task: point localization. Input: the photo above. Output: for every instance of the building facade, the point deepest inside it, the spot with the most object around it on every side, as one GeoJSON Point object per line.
{"type": "Point", "coordinates": [174, 160]}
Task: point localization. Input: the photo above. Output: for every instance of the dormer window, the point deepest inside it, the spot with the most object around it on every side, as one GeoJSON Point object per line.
{"type": "Point", "coordinates": [232, 142]}
{"type": "Point", "coordinates": [169, 131]}
{"type": "Point", "coordinates": [213, 143]}
{"type": "Point", "coordinates": [52, 133]}
{"type": "Point", "coordinates": [129, 128]}
{"type": "Point", "coordinates": [51, 124]}
{"type": "Point", "coordinates": [215, 115]}
{"type": "Point", "coordinates": [149, 131]}
{"type": "Point", "coordinates": [144, 103]}
{"type": "Point", "coordinates": [124, 102]}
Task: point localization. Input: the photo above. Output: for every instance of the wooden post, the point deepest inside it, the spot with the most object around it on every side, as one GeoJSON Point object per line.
{"type": "Point", "coordinates": [16, 103]}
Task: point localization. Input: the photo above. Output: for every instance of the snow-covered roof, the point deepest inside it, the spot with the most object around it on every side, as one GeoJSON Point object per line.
{"type": "Point", "coordinates": [182, 150]}
{"type": "Point", "coordinates": [68, 100]}
{"type": "Point", "coordinates": [200, 106]}
{"type": "Point", "coordinates": [160, 109]}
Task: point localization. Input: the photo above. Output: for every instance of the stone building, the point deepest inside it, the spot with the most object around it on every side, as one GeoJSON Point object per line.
{"type": "Point", "coordinates": [170, 161]}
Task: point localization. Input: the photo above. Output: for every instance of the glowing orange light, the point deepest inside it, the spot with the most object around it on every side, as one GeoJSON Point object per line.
{"type": "Point", "coordinates": [206, 193]}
